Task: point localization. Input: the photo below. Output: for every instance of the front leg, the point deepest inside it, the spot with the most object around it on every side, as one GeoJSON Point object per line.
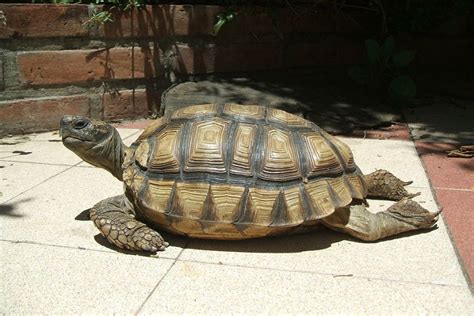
{"type": "Point", "coordinates": [114, 217]}
{"type": "Point", "coordinates": [382, 184]}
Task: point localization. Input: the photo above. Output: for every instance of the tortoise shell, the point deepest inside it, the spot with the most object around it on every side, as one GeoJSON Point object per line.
{"type": "Point", "coordinates": [238, 171]}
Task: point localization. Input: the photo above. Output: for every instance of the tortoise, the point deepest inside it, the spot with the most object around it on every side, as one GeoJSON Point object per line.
{"type": "Point", "coordinates": [230, 171]}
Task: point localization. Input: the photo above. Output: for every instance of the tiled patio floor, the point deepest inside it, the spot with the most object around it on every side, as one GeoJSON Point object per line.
{"type": "Point", "coordinates": [53, 259]}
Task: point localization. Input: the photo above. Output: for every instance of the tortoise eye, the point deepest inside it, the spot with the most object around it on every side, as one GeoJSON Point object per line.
{"type": "Point", "coordinates": [80, 123]}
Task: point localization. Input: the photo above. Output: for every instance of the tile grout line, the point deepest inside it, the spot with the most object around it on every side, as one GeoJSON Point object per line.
{"type": "Point", "coordinates": [454, 189]}
{"type": "Point", "coordinates": [40, 163]}
{"type": "Point", "coordinates": [321, 273]}
{"type": "Point", "coordinates": [161, 279]}
{"type": "Point", "coordinates": [38, 184]}
{"type": "Point", "coordinates": [53, 176]}
{"type": "Point", "coordinates": [29, 242]}
{"type": "Point", "coordinates": [6, 159]}
{"type": "Point", "coordinates": [223, 264]}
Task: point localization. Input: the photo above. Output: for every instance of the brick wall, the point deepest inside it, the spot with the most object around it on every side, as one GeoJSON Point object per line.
{"type": "Point", "coordinates": [51, 64]}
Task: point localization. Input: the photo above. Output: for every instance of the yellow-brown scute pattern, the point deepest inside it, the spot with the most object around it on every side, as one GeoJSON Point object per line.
{"type": "Point", "coordinates": [206, 151]}
{"type": "Point", "coordinates": [194, 208]}
{"type": "Point", "coordinates": [240, 171]}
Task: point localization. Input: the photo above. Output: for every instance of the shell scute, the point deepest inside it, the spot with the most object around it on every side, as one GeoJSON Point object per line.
{"type": "Point", "coordinates": [256, 112]}
{"type": "Point", "coordinates": [243, 149]}
{"type": "Point", "coordinates": [320, 157]}
{"type": "Point", "coordinates": [166, 156]}
{"type": "Point", "coordinates": [280, 161]}
{"type": "Point", "coordinates": [206, 148]}
{"type": "Point", "coordinates": [195, 111]}
{"type": "Point", "coordinates": [286, 118]}
{"type": "Point", "coordinates": [234, 172]}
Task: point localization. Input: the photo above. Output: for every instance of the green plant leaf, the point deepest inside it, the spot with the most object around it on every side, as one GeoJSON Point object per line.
{"type": "Point", "coordinates": [221, 20]}
{"type": "Point", "coordinates": [218, 25]}
{"type": "Point", "coordinates": [388, 48]}
{"type": "Point", "coordinates": [373, 51]}
{"type": "Point", "coordinates": [403, 87]}
{"type": "Point", "coordinates": [359, 74]}
{"type": "Point", "coordinates": [403, 58]}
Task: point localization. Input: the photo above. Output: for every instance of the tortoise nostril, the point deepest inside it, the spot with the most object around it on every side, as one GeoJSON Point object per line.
{"type": "Point", "coordinates": [80, 123]}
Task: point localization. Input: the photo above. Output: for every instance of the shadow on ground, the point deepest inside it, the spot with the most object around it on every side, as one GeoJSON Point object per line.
{"type": "Point", "coordinates": [9, 209]}
{"type": "Point", "coordinates": [326, 98]}
{"type": "Point", "coordinates": [331, 100]}
{"type": "Point", "coordinates": [319, 239]}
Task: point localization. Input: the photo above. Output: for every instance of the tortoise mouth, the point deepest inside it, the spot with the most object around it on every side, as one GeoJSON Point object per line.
{"type": "Point", "coordinates": [72, 141]}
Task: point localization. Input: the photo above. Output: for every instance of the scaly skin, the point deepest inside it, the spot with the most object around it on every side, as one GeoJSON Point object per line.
{"type": "Point", "coordinates": [115, 220]}
{"type": "Point", "coordinates": [403, 216]}
{"type": "Point", "coordinates": [383, 184]}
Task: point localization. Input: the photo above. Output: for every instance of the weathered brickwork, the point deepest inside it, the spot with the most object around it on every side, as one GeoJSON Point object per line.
{"type": "Point", "coordinates": [127, 103]}
{"type": "Point", "coordinates": [40, 114]}
{"type": "Point", "coordinates": [75, 66]}
{"type": "Point", "coordinates": [52, 64]}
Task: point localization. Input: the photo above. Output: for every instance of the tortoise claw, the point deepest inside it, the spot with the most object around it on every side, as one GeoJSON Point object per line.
{"type": "Point", "coordinates": [413, 213]}
{"type": "Point", "coordinates": [412, 195]}
{"type": "Point", "coordinates": [147, 239]}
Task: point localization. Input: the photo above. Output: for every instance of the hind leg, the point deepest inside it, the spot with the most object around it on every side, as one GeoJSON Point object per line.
{"type": "Point", "coordinates": [384, 185]}
{"type": "Point", "coordinates": [114, 217]}
{"type": "Point", "coordinates": [403, 216]}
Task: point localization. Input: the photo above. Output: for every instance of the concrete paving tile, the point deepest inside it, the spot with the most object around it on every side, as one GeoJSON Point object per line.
{"type": "Point", "coordinates": [196, 288]}
{"type": "Point", "coordinates": [43, 279]}
{"type": "Point", "coordinates": [55, 212]}
{"type": "Point", "coordinates": [129, 135]}
{"type": "Point", "coordinates": [397, 156]}
{"type": "Point", "coordinates": [46, 136]}
{"type": "Point", "coordinates": [426, 256]}
{"type": "Point", "coordinates": [458, 212]}
{"type": "Point", "coordinates": [45, 148]}
{"type": "Point", "coordinates": [44, 151]}
{"type": "Point", "coordinates": [16, 177]}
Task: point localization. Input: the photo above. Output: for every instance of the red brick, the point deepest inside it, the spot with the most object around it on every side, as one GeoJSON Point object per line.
{"type": "Point", "coordinates": [162, 20]}
{"type": "Point", "coordinates": [73, 66]}
{"type": "Point", "coordinates": [46, 20]}
{"type": "Point", "coordinates": [185, 20]}
{"type": "Point", "coordinates": [127, 104]}
{"type": "Point", "coordinates": [226, 58]}
{"type": "Point", "coordinates": [41, 114]}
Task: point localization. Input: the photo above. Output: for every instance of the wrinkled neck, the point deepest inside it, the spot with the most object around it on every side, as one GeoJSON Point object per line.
{"type": "Point", "coordinates": [110, 155]}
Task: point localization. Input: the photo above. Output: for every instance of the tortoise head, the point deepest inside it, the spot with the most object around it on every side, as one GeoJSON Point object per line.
{"type": "Point", "coordinates": [96, 142]}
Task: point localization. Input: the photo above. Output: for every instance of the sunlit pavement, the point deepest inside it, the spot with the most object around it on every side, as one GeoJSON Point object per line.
{"type": "Point", "coordinates": [54, 261]}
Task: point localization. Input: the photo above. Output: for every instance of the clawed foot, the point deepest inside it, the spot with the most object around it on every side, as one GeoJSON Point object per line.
{"type": "Point", "coordinates": [127, 233]}
{"type": "Point", "coordinates": [412, 213]}
{"type": "Point", "coordinates": [146, 239]}
{"type": "Point", "coordinates": [383, 184]}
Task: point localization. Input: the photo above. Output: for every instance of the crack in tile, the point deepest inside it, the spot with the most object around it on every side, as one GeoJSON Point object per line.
{"type": "Point", "coordinates": [160, 280]}
{"type": "Point", "coordinates": [321, 273]}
